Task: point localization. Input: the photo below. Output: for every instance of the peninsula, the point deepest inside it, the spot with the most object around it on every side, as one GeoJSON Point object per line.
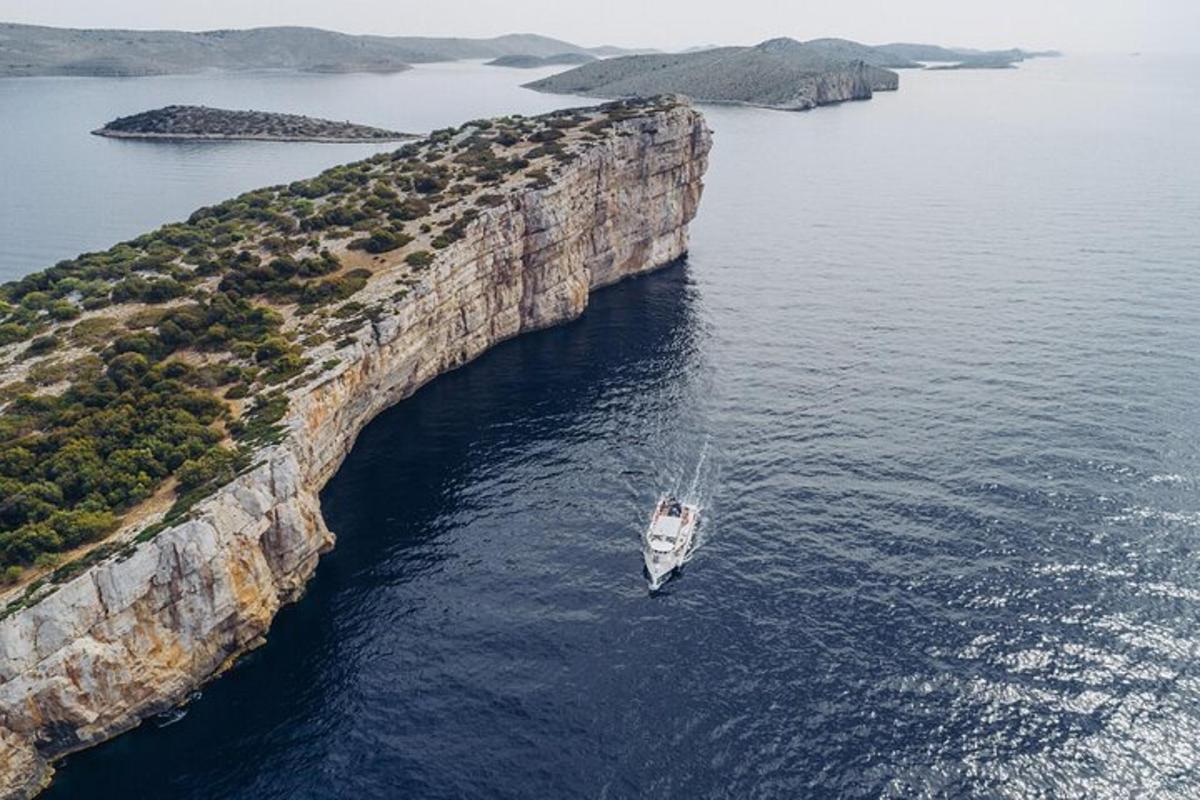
{"type": "Point", "coordinates": [171, 407]}
{"type": "Point", "coordinates": [779, 73]}
{"type": "Point", "coordinates": [201, 123]}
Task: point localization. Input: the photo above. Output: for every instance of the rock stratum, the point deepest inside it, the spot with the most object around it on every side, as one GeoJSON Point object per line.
{"type": "Point", "coordinates": [193, 123]}
{"type": "Point", "coordinates": [779, 73]}
{"type": "Point", "coordinates": [137, 630]}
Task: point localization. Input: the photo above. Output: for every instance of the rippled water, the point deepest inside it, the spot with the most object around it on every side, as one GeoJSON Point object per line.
{"type": "Point", "coordinates": [940, 351]}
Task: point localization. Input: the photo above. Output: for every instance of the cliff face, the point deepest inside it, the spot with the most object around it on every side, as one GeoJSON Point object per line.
{"type": "Point", "coordinates": [134, 635]}
{"type": "Point", "coordinates": [856, 81]}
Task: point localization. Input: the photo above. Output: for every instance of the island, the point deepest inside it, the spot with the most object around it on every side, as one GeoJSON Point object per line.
{"type": "Point", "coordinates": [192, 123]}
{"type": "Point", "coordinates": [32, 50]}
{"type": "Point", "coordinates": [171, 407]}
{"type": "Point", "coordinates": [779, 73]}
{"type": "Point", "coordinates": [526, 61]}
{"type": "Point", "coordinates": [922, 55]}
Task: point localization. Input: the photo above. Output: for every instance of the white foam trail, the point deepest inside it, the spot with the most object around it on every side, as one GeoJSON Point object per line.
{"type": "Point", "coordinates": [695, 495]}
{"type": "Point", "coordinates": [692, 495]}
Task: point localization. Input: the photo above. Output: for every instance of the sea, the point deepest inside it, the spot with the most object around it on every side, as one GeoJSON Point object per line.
{"type": "Point", "coordinates": [931, 369]}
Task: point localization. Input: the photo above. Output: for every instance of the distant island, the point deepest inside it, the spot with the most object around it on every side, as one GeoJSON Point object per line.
{"type": "Point", "coordinates": [31, 50]}
{"type": "Point", "coordinates": [202, 123]}
{"type": "Point", "coordinates": [779, 73]}
{"type": "Point", "coordinates": [1002, 59]}
{"type": "Point", "coordinates": [957, 58]}
{"type": "Point", "coordinates": [526, 61]}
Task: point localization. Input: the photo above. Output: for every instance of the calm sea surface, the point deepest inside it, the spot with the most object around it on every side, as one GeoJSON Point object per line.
{"type": "Point", "coordinates": [932, 368]}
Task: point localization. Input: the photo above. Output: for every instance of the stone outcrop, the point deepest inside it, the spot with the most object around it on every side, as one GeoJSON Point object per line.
{"type": "Point", "coordinates": [132, 636]}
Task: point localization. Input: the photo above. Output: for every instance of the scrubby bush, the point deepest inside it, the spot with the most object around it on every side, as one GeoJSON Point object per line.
{"type": "Point", "coordinates": [381, 240]}
{"type": "Point", "coordinates": [420, 259]}
{"type": "Point", "coordinates": [217, 466]}
{"type": "Point", "coordinates": [411, 208]}
{"type": "Point", "coordinates": [42, 344]}
{"type": "Point", "coordinates": [62, 310]}
{"type": "Point", "coordinates": [271, 348]}
{"type": "Point", "coordinates": [545, 135]}
{"type": "Point", "coordinates": [428, 184]}
{"type": "Point", "coordinates": [11, 332]}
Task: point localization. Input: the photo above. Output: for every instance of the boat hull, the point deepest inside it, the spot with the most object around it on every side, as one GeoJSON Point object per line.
{"type": "Point", "coordinates": [668, 542]}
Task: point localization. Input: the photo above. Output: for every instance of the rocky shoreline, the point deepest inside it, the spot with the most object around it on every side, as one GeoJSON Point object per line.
{"type": "Point", "coordinates": [134, 634]}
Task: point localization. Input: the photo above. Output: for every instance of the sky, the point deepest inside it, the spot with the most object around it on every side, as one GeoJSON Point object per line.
{"type": "Point", "coordinates": [1071, 25]}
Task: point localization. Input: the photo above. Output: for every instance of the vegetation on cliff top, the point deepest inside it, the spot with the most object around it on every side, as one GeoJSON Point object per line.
{"type": "Point", "coordinates": [202, 122]}
{"type": "Point", "coordinates": [154, 369]}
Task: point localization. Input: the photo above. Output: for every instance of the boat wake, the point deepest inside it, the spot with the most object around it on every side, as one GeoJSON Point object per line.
{"type": "Point", "coordinates": [694, 495]}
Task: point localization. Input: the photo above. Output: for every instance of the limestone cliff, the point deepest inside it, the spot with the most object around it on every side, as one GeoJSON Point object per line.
{"type": "Point", "coordinates": [133, 635]}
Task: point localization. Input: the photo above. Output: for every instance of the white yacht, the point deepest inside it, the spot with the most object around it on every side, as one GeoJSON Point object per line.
{"type": "Point", "coordinates": [669, 539]}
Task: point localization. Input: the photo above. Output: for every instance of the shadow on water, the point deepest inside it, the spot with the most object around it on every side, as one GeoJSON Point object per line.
{"type": "Point", "coordinates": [395, 504]}
{"type": "Point", "coordinates": [523, 392]}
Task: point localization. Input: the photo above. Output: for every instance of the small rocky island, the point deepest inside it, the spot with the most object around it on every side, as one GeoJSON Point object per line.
{"type": "Point", "coordinates": [202, 123]}
{"type": "Point", "coordinates": [526, 61]}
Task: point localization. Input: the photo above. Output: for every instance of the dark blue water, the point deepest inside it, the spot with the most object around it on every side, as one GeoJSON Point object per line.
{"type": "Point", "coordinates": [932, 370]}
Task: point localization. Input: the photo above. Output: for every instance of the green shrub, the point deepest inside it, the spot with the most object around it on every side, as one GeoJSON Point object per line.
{"type": "Point", "coordinates": [217, 466]}
{"type": "Point", "coordinates": [428, 184]}
{"type": "Point", "coordinates": [42, 344]}
{"type": "Point", "coordinates": [127, 369]}
{"type": "Point", "coordinates": [271, 348]}
{"type": "Point", "coordinates": [545, 135]}
{"type": "Point", "coordinates": [63, 310]}
{"type": "Point", "coordinates": [35, 301]}
{"type": "Point", "coordinates": [381, 240]}
{"type": "Point", "coordinates": [420, 259]}
{"type": "Point", "coordinates": [11, 332]}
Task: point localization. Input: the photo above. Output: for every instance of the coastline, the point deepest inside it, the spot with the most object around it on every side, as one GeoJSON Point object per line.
{"type": "Point", "coordinates": [249, 137]}
{"type": "Point", "coordinates": [134, 634]}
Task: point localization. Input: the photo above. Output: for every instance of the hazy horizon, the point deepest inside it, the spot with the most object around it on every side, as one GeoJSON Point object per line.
{"type": "Point", "coordinates": [1069, 25]}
